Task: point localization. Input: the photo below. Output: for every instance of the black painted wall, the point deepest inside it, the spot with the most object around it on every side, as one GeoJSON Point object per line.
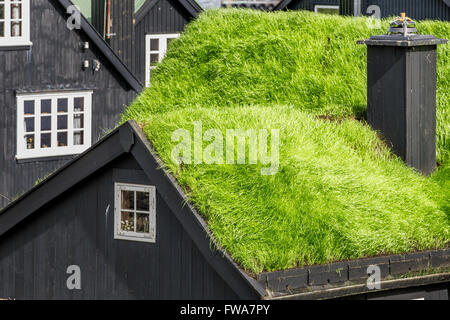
{"type": "Point", "coordinates": [98, 10]}
{"type": "Point", "coordinates": [401, 101]}
{"type": "Point", "coordinates": [416, 9]}
{"type": "Point", "coordinates": [52, 63]}
{"type": "Point", "coordinates": [120, 36]}
{"type": "Point", "coordinates": [309, 4]}
{"type": "Point", "coordinates": [78, 229]}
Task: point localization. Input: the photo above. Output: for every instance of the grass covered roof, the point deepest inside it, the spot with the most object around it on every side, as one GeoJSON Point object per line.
{"type": "Point", "coordinates": [339, 192]}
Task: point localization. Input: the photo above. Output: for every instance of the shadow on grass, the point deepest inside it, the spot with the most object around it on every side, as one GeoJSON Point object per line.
{"type": "Point", "coordinates": [360, 112]}
{"type": "Point", "coordinates": [442, 177]}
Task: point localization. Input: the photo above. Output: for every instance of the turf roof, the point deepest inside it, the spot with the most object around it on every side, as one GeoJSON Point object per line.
{"type": "Point", "coordinates": [339, 192]}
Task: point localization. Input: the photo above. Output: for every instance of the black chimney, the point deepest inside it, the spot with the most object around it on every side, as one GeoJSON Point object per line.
{"type": "Point", "coordinates": [401, 91]}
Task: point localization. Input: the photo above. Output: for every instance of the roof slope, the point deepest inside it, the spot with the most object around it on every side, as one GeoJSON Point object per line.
{"type": "Point", "coordinates": [301, 283]}
{"type": "Point", "coordinates": [129, 139]}
{"type": "Point", "coordinates": [339, 192]}
{"type": "Point", "coordinates": [106, 50]}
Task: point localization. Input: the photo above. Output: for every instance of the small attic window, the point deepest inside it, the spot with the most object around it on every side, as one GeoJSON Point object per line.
{"type": "Point", "coordinates": [53, 124]}
{"type": "Point", "coordinates": [155, 51]}
{"type": "Point", "coordinates": [14, 23]}
{"type": "Point", "coordinates": [135, 213]}
{"type": "Point", "coordinates": [327, 9]}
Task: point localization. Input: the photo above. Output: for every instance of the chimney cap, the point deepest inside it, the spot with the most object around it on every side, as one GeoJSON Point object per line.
{"type": "Point", "coordinates": [402, 33]}
{"type": "Point", "coordinates": [399, 40]}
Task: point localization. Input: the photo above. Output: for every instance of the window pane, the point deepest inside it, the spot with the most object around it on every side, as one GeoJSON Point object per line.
{"type": "Point", "coordinates": [62, 139]}
{"type": "Point", "coordinates": [62, 105]}
{"type": "Point", "coordinates": [46, 139]}
{"type": "Point", "coordinates": [2, 29]}
{"type": "Point", "coordinates": [29, 124]}
{"type": "Point", "coordinates": [78, 121]}
{"type": "Point", "coordinates": [29, 107]}
{"type": "Point", "coordinates": [2, 11]}
{"type": "Point", "coordinates": [29, 141]}
{"type": "Point", "coordinates": [16, 11]}
{"type": "Point", "coordinates": [128, 200]}
{"type": "Point", "coordinates": [78, 104]}
{"type": "Point", "coordinates": [78, 138]}
{"type": "Point", "coordinates": [46, 123]}
{"type": "Point", "coordinates": [142, 223]}
{"type": "Point", "coordinates": [154, 44]}
{"type": "Point", "coordinates": [142, 201]}
{"type": "Point", "coordinates": [62, 122]}
{"type": "Point", "coordinates": [46, 106]}
{"type": "Point", "coordinates": [154, 58]}
{"type": "Point", "coordinates": [127, 221]}
{"type": "Point", "coordinates": [16, 29]}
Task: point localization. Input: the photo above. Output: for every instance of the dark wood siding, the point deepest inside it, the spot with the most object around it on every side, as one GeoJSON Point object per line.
{"type": "Point", "coordinates": [121, 36]}
{"type": "Point", "coordinates": [309, 4]}
{"type": "Point", "coordinates": [122, 40]}
{"type": "Point", "coordinates": [77, 229]}
{"type": "Point", "coordinates": [416, 9]}
{"type": "Point", "coordinates": [52, 63]}
{"type": "Point", "coordinates": [98, 16]}
{"type": "Point", "coordinates": [166, 16]}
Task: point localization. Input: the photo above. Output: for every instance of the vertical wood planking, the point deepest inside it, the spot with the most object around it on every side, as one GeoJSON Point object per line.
{"type": "Point", "coordinates": [74, 230]}
{"type": "Point", "coordinates": [416, 9]}
{"type": "Point", "coordinates": [52, 63]}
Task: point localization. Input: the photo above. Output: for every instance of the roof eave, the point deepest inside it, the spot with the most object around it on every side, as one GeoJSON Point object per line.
{"type": "Point", "coordinates": [348, 291]}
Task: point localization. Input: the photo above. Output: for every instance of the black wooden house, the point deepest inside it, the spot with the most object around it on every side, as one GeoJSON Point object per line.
{"type": "Point", "coordinates": [140, 36]}
{"type": "Point", "coordinates": [318, 6]}
{"type": "Point", "coordinates": [61, 88]}
{"type": "Point", "coordinates": [416, 9]}
{"type": "Point", "coordinates": [71, 237]}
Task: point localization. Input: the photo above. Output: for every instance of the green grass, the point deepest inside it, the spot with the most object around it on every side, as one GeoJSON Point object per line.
{"type": "Point", "coordinates": [339, 193]}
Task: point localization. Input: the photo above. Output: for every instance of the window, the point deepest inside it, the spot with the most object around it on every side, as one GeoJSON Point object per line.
{"type": "Point", "coordinates": [155, 51]}
{"type": "Point", "coordinates": [328, 9]}
{"type": "Point", "coordinates": [14, 22]}
{"type": "Point", "coordinates": [53, 124]}
{"type": "Point", "coordinates": [135, 212]}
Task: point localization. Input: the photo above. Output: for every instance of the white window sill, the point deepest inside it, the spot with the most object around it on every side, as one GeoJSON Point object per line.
{"type": "Point", "coordinates": [12, 46]}
{"type": "Point", "coordinates": [50, 154]}
{"type": "Point", "coordinates": [137, 237]}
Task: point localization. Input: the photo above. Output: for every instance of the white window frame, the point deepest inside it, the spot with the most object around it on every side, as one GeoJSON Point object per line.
{"type": "Point", "coordinates": [54, 150]}
{"type": "Point", "coordinates": [162, 51]}
{"type": "Point", "coordinates": [128, 235]}
{"type": "Point", "coordinates": [24, 40]}
{"type": "Point", "coordinates": [325, 6]}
